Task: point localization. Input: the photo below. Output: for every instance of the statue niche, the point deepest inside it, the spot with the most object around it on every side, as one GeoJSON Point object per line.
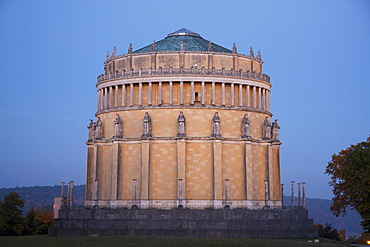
{"type": "Point", "coordinates": [118, 127]}
{"type": "Point", "coordinates": [216, 124]}
{"type": "Point", "coordinates": [147, 126]}
{"type": "Point", "coordinates": [181, 125]}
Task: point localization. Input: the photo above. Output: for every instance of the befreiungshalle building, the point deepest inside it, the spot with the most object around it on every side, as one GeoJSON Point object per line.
{"type": "Point", "coordinates": [184, 125]}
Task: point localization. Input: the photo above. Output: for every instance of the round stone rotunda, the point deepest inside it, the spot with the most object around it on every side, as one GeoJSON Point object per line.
{"type": "Point", "coordinates": [183, 122]}
{"type": "Point", "coordinates": [183, 145]}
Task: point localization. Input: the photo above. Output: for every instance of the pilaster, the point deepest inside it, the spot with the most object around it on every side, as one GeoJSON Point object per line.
{"type": "Point", "coordinates": [115, 165]}
{"type": "Point", "coordinates": [249, 171]}
{"type": "Point", "coordinates": [217, 170]}
{"type": "Point", "coordinates": [145, 166]}
{"type": "Point", "coordinates": [181, 165]}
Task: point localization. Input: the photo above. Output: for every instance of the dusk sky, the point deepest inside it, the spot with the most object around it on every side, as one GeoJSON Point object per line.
{"type": "Point", "coordinates": [317, 54]}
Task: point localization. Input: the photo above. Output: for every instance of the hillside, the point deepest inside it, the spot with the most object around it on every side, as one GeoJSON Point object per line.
{"type": "Point", "coordinates": [318, 209]}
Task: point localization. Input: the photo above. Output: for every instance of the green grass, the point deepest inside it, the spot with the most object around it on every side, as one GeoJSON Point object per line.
{"type": "Point", "coordinates": [45, 240]}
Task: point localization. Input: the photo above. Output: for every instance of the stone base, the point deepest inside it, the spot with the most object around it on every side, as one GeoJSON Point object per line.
{"type": "Point", "coordinates": [212, 223]}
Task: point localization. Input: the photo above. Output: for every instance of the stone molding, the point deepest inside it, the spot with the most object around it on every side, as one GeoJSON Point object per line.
{"type": "Point", "coordinates": [180, 72]}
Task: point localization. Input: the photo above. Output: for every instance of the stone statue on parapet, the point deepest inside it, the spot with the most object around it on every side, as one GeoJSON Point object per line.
{"type": "Point", "coordinates": [216, 122]}
{"type": "Point", "coordinates": [209, 47]}
{"type": "Point", "coordinates": [251, 52]}
{"type": "Point", "coordinates": [182, 46]}
{"type": "Point", "coordinates": [114, 53]}
{"type": "Point", "coordinates": [181, 125]}
{"type": "Point", "coordinates": [266, 129]}
{"type": "Point", "coordinates": [245, 127]}
{"type": "Point", "coordinates": [99, 129]}
{"type": "Point", "coordinates": [117, 127]}
{"type": "Point", "coordinates": [147, 125]}
{"type": "Point", "coordinates": [91, 131]}
{"type": "Point", "coordinates": [154, 47]}
{"type": "Point", "coordinates": [275, 131]}
{"type": "Point", "coordinates": [130, 49]}
{"type": "Point", "coordinates": [234, 49]}
{"type": "Point", "coordinates": [259, 56]}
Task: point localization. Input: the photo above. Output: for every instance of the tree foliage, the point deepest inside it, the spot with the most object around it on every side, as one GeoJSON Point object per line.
{"type": "Point", "coordinates": [11, 220]}
{"type": "Point", "coordinates": [38, 221]}
{"type": "Point", "coordinates": [327, 231]}
{"type": "Point", "coordinates": [349, 171]}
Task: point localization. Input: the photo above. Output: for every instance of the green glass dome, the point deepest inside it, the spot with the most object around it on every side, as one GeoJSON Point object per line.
{"type": "Point", "coordinates": [191, 41]}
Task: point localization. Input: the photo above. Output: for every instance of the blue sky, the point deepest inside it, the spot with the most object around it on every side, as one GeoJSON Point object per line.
{"type": "Point", "coordinates": [316, 53]}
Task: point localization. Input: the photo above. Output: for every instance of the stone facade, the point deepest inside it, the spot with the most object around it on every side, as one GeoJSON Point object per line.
{"type": "Point", "coordinates": [185, 223]}
{"type": "Point", "coordinates": [198, 169]}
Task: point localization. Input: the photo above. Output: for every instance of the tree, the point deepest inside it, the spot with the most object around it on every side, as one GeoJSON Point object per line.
{"type": "Point", "coordinates": [38, 220]}
{"type": "Point", "coordinates": [350, 179]}
{"type": "Point", "coordinates": [327, 231]}
{"type": "Point", "coordinates": [11, 220]}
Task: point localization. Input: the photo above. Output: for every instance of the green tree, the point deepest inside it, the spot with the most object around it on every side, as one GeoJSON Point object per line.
{"type": "Point", "coordinates": [38, 221]}
{"type": "Point", "coordinates": [327, 231]}
{"type": "Point", "coordinates": [11, 220]}
{"type": "Point", "coordinates": [350, 178]}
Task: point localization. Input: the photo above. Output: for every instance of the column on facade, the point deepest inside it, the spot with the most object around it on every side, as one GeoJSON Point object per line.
{"type": "Point", "coordinates": [181, 92]}
{"type": "Point", "coordinates": [181, 167]}
{"type": "Point", "coordinates": [123, 95]}
{"type": "Point", "coordinates": [110, 97]}
{"type": "Point", "coordinates": [213, 93]}
{"type": "Point", "coordinates": [240, 95]}
{"type": "Point", "coordinates": [145, 161]}
{"type": "Point", "coordinates": [299, 195]}
{"type": "Point", "coordinates": [223, 94]}
{"type": "Point", "coordinates": [150, 93]}
{"type": "Point", "coordinates": [217, 176]}
{"type": "Point", "coordinates": [232, 102]}
{"type": "Point", "coordinates": [171, 97]}
{"type": "Point", "coordinates": [203, 93]}
{"type": "Point", "coordinates": [248, 96]}
{"type": "Point", "coordinates": [131, 94]}
{"type": "Point", "coordinates": [116, 96]}
{"type": "Point", "coordinates": [254, 97]}
{"type": "Point", "coordinates": [99, 100]}
{"type": "Point", "coordinates": [268, 100]}
{"type": "Point", "coordinates": [160, 93]}
{"type": "Point", "coordinates": [192, 93]}
{"type": "Point", "coordinates": [248, 162]}
{"type": "Point", "coordinates": [140, 94]}
{"type": "Point", "coordinates": [105, 98]}
{"type": "Point", "coordinates": [259, 98]}
{"type": "Point", "coordinates": [292, 194]}
{"type": "Point", "coordinates": [114, 172]}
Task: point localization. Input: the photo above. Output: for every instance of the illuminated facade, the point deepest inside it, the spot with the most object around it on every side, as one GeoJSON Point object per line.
{"type": "Point", "coordinates": [183, 122]}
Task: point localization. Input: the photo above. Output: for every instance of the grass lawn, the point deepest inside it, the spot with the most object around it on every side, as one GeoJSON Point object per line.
{"type": "Point", "coordinates": [45, 240]}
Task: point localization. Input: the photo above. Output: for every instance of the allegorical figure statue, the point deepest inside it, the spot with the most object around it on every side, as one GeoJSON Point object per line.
{"type": "Point", "coordinates": [266, 129]}
{"type": "Point", "coordinates": [147, 125]}
{"type": "Point", "coordinates": [118, 126]}
{"type": "Point", "coordinates": [98, 129]}
{"type": "Point", "coordinates": [91, 131]}
{"type": "Point", "coordinates": [275, 131]}
{"type": "Point", "coordinates": [216, 122]}
{"type": "Point", "coordinates": [245, 127]}
{"type": "Point", "coordinates": [209, 47]}
{"type": "Point", "coordinates": [181, 124]}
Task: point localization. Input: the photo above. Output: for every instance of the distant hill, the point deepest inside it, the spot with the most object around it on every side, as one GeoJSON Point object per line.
{"type": "Point", "coordinates": [43, 196]}
{"type": "Point", "coordinates": [318, 209]}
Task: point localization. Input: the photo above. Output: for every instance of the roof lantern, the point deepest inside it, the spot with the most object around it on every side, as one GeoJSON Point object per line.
{"type": "Point", "coordinates": [183, 32]}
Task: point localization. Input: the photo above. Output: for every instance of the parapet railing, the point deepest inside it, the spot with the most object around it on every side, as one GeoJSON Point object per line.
{"type": "Point", "coordinates": [192, 71]}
